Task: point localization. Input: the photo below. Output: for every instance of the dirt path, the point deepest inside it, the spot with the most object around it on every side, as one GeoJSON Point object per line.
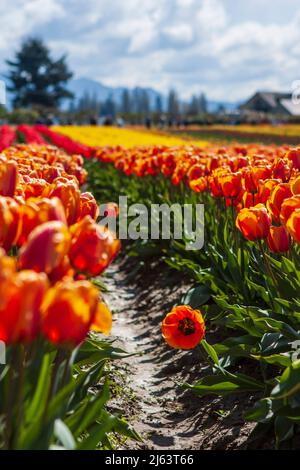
{"type": "Point", "coordinates": [164, 415]}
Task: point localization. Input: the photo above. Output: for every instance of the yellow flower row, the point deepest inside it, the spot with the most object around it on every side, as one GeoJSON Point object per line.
{"type": "Point", "coordinates": [95, 136]}
{"type": "Point", "coordinates": [282, 130]}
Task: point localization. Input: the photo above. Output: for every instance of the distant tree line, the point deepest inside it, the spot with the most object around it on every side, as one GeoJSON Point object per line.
{"type": "Point", "coordinates": [39, 85]}
{"type": "Point", "coordinates": [137, 102]}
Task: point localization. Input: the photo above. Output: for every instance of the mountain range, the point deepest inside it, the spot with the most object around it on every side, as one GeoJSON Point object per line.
{"type": "Point", "coordinates": [82, 86]}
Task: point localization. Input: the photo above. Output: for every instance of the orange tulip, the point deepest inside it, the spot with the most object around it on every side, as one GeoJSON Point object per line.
{"type": "Point", "coordinates": [111, 209]}
{"type": "Point", "coordinates": [265, 189]}
{"type": "Point", "coordinates": [293, 225]}
{"type": "Point", "coordinates": [10, 222]}
{"type": "Point", "coordinates": [279, 194]}
{"type": "Point", "coordinates": [88, 206]}
{"type": "Point", "coordinates": [254, 175]}
{"type": "Point", "coordinates": [103, 319]}
{"type": "Point", "coordinates": [199, 185]}
{"type": "Point", "coordinates": [68, 311]}
{"type": "Point", "coordinates": [254, 223]}
{"type": "Point", "coordinates": [46, 247]}
{"type": "Point", "coordinates": [69, 194]}
{"type": "Point", "coordinates": [37, 211]}
{"type": "Point", "coordinates": [294, 156]}
{"type": "Point", "coordinates": [278, 239]}
{"type": "Point", "coordinates": [231, 185]}
{"type": "Point", "coordinates": [183, 327]}
{"type": "Point", "coordinates": [295, 186]}
{"type": "Point", "coordinates": [281, 170]}
{"type": "Point", "coordinates": [8, 178]}
{"type": "Point", "coordinates": [21, 299]}
{"type": "Point", "coordinates": [93, 247]}
{"type": "Point", "coordinates": [287, 208]}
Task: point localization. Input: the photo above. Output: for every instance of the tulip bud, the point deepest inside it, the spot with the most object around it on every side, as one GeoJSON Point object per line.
{"type": "Point", "coordinates": [46, 247]}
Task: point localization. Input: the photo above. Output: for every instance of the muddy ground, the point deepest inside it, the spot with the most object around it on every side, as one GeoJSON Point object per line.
{"type": "Point", "coordinates": [146, 386]}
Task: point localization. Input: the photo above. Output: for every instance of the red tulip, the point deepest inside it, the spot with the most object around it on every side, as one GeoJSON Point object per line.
{"type": "Point", "coordinates": [8, 178]}
{"type": "Point", "coordinates": [93, 247]}
{"type": "Point", "coordinates": [254, 223]}
{"type": "Point", "coordinates": [279, 194]}
{"type": "Point", "coordinates": [68, 311]}
{"type": "Point", "coordinates": [278, 239]}
{"type": "Point", "coordinates": [46, 247]}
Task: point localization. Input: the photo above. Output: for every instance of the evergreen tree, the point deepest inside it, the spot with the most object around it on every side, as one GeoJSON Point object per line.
{"type": "Point", "coordinates": [126, 102]}
{"type": "Point", "coordinates": [202, 103]}
{"type": "Point", "coordinates": [35, 78]}
{"type": "Point", "coordinates": [173, 104]}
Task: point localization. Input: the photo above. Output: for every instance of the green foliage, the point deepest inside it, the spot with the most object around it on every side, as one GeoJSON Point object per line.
{"type": "Point", "coordinates": [57, 399]}
{"type": "Point", "coordinates": [250, 293]}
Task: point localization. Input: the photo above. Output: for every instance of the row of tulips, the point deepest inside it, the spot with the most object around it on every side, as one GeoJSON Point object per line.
{"type": "Point", "coordinates": [252, 287]}
{"type": "Point", "coordinates": [262, 183]}
{"type": "Point", "coordinates": [50, 248]}
{"type": "Point", "coordinates": [247, 274]}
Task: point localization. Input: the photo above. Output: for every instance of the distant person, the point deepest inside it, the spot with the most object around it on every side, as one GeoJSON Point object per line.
{"type": "Point", "coordinates": [120, 122]}
{"type": "Point", "coordinates": [93, 121]}
{"type": "Point", "coordinates": [148, 122]}
{"type": "Point", "coordinates": [108, 121]}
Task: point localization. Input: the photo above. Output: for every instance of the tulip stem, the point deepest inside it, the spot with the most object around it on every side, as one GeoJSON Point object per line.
{"type": "Point", "coordinates": [20, 394]}
{"type": "Point", "coordinates": [268, 267]}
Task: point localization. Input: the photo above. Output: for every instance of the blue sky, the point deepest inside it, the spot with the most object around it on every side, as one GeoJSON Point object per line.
{"type": "Point", "coordinates": [226, 48]}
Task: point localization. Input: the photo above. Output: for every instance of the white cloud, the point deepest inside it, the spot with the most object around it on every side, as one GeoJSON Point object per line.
{"type": "Point", "coordinates": [225, 48]}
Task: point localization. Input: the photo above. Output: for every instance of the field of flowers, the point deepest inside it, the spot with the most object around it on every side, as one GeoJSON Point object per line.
{"type": "Point", "coordinates": [127, 138]}
{"type": "Point", "coordinates": [246, 277]}
{"type": "Point", "coordinates": [264, 133]}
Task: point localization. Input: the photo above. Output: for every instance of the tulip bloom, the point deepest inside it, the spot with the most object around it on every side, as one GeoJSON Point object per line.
{"type": "Point", "coordinates": [8, 178]}
{"type": "Point", "coordinates": [21, 299]}
{"type": "Point", "coordinates": [278, 239]}
{"type": "Point", "coordinates": [69, 195]}
{"type": "Point", "coordinates": [46, 247]}
{"type": "Point", "coordinates": [279, 194]}
{"type": "Point", "coordinates": [293, 225]}
{"type": "Point", "coordinates": [68, 311]}
{"type": "Point", "coordinates": [103, 319]}
{"type": "Point", "coordinates": [36, 212]}
{"type": "Point", "coordinates": [287, 208]}
{"type": "Point", "coordinates": [294, 156]}
{"type": "Point", "coordinates": [231, 185]}
{"type": "Point", "coordinates": [254, 223]}
{"type": "Point", "coordinates": [265, 189]}
{"type": "Point", "coordinates": [93, 247]}
{"type": "Point", "coordinates": [183, 327]}
{"type": "Point", "coordinates": [199, 185]}
{"type": "Point", "coordinates": [10, 222]}
{"type": "Point", "coordinates": [88, 206]}
{"type": "Point", "coordinates": [295, 186]}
